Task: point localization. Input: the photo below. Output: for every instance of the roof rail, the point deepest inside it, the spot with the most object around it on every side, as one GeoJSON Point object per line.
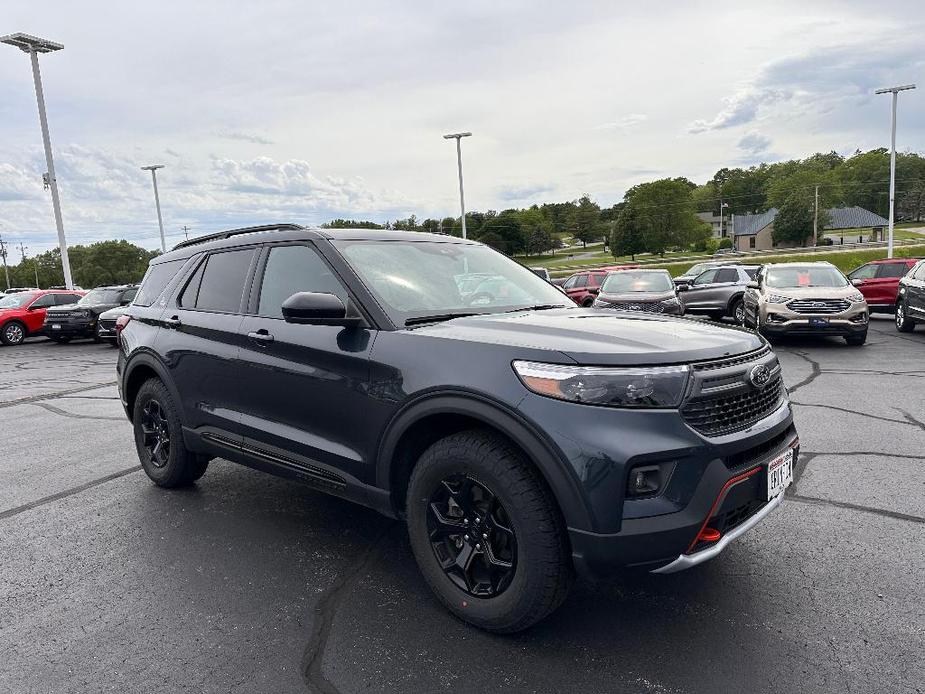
{"type": "Point", "coordinates": [235, 232]}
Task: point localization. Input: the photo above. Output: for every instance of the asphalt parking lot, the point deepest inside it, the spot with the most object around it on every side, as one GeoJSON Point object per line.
{"type": "Point", "coordinates": [246, 583]}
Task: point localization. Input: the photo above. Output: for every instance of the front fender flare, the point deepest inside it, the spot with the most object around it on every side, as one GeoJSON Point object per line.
{"type": "Point", "coordinates": [550, 462]}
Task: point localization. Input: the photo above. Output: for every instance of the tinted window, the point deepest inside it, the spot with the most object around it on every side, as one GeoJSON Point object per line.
{"type": "Point", "coordinates": [44, 301]}
{"type": "Point", "coordinates": [188, 297]}
{"type": "Point", "coordinates": [751, 271]}
{"type": "Point", "coordinates": [865, 272]}
{"type": "Point", "coordinates": [223, 281]}
{"type": "Point", "coordinates": [581, 281]}
{"type": "Point", "coordinates": [892, 270]}
{"type": "Point", "coordinates": [727, 274]}
{"type": "Point", "coordinates": [65, 299]}
{"type": "Point", "coordinates": [156, 279]}
{"type": "Point", "coordinates": [292, 269]}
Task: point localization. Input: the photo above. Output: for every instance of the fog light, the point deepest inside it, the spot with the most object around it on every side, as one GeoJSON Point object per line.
{"type": "Point", "coordinates": [645, 479]}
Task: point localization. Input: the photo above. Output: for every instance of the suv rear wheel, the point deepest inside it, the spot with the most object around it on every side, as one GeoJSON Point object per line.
{"type": "Point", "coordinates": [904, 323]}
{"type": "Point", "coordinates": [159, 439]}
{"type": "Point", "coordinates": [486, 533]}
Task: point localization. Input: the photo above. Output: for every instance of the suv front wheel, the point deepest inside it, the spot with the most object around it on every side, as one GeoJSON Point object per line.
{"type": "Point", "coordinates": [486, 533]}
{"type": "Point", "coordinates": [904, 323]}
{"type": "Point", "coordinates": [159, 438]}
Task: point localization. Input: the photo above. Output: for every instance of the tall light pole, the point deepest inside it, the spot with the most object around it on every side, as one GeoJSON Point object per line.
{"type": "Point", "coordinates": [721, 206]}
{"type": "Point", "coordinates": [33, 46]}
{"type": "Point", "coordinates": [157, 201]}
{"type": "Point", "coordinates": [895, 92]}
{"type": "Point", "coordinates": [462, 199]}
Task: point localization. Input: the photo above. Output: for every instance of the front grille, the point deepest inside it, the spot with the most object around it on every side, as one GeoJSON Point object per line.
{"type": "Point", "coordinates": [818, 305]}
{"type": "Point", "coordinates": [715, 416]}
{"type": "Point", "coordinates": [108, 324]}
{"type": "Point", "coordinates": [725, 522]}
{"type": "Point", "coordinates": [646, 307]}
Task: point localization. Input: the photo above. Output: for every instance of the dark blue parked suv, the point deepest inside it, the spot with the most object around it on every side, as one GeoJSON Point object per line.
{"type": "Point", "coordinates": [433, 379]}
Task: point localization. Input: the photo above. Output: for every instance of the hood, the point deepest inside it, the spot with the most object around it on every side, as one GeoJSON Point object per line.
{"type": "Point", "coordinates": [600, 336]}
{"type": "Point", "coordinates": [114, 312]}
{"type": "Point", "coordinates": [83, 307]}
{"type": "Point", "coordinates": [814, 292]}
{"type": "Point", "coordinates": [640, 297]}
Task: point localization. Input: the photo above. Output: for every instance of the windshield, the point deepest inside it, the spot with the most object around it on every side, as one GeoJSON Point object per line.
{"type": "Point", "coordinates": [416, 279]}
{"type": "Point", "coordinates": [16, 300]}
{"type": "Point", "coordinates": [627, 281]}
{"type": "Point", "coordinates": [805, 276]}
{"type": "Point", "coordinates": [100, 296]}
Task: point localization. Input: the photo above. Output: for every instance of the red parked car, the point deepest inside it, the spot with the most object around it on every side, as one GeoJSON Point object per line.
{"type": "Point", "coordinates": [584, 286]}
{"type": "Point", "coordinates": [878, 281]}
{"type": "Point", "coordinates": [23, 314]}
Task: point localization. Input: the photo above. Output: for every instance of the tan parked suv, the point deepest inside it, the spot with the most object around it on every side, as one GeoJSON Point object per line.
{"type": "Point", "coordinates": [805, 299]}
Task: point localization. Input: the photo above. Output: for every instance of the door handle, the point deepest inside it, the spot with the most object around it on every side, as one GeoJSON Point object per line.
{"type": "Point", "coordinates": [174, 323]}
{"type": "Point", "coordinates": [261, 337]}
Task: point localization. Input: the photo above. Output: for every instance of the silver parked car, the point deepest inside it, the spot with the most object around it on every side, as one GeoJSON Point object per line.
{"type": "Point", "coordinates": [718, 292]}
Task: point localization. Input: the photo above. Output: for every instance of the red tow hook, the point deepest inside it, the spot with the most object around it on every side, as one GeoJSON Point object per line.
{"type": "Point", "coordinates": [709, 535]}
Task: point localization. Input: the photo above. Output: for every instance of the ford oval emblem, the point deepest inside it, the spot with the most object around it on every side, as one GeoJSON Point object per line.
{"type": "Point", "coordinates": [759, 376]}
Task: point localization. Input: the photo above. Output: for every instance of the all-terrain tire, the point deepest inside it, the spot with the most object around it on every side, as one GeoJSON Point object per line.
{"type": "Point", "coordinates": [542, 572]}
{"type": "Point", "coordinates": [175, 465]}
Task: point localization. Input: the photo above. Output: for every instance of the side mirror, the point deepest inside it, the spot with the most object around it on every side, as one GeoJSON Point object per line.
{"type": "Point", "coordinates": [683, 287]}
{"type": "Point", "coordinates": [314, 308]}
{"type": "Point", "coordinates": [857, 283]}
{"type": "Point", "coordinates": [752, 285]}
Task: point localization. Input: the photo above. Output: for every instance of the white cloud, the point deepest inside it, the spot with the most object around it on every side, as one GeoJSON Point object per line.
{"type": "Point", "coordinates": [624, 122]}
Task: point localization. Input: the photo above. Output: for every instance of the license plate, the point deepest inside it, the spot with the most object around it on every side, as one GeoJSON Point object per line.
{"type": "Point", "coordinates": [56, 327]}
{"type": "Point", "coordinates": [780, 473]}
{"type": "Point", "coordinates": [819, 322]}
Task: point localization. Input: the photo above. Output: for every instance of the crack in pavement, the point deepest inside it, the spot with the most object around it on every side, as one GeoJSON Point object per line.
{"type": "Point", "coordinates": [857, 507]}
{"type": "Point", "coordinates": [816, 372]}
{"type": "Point", "coordinates": [879, 454]}
{"type": "Point", "coordinates": [910, 419]}
{"type": "Point", "coordinates": [52, 396]}
{"type": "Point", "coordinates": [67, 492]}
{"type": "Point", "coordinates": [65, 413]}
{"type": "Point", "coordinates": [326, 611]}
{"type": "Point", "coordinates": [861, 414]}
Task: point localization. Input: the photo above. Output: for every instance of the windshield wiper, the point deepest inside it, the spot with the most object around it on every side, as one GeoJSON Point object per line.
{"type": "Point", "coordinates": [538, 307]}
{"type": "Point", "coordinates": [438, 318]}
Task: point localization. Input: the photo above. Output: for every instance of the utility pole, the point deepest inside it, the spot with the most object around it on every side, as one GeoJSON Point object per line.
{"type": "Point", "coordinates": [157, 201]}
{"type": "Point", "coordinates": [895, 92]}
{"type": "Point", "coordinates": [33, 46]}
{"type": "Point", "coordinates": [6, 270]}
{"type": "Point", "coordinates": [816, 219]}
{"type": "Point", "coordinates": [185, 231]}
{"type": "Point", "coordinates": [462, 201]}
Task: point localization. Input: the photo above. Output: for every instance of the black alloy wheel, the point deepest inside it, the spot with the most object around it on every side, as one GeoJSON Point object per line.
{"type": "Point", "coordinates": [472, 536]}
{"type": "Point", "coordinates": [155, 431]}
{"type": "Point", "coordinates": [904, 324]}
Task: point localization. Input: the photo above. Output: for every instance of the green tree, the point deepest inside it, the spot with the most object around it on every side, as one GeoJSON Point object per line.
{"type": "Point", "coordinates": [794, 221]}
{"type": "Point", "coordinates": [911, 204]}
{"type": "Point", "coordinates": [585, 221]}
{"type": "Point", "coordinates": [663, 211]}
{"type": "Point", "coordinates": [627, 235]}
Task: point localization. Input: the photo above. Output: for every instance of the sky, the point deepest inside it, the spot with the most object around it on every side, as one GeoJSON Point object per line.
{"type": "Point", "coordinates": [304, 111]}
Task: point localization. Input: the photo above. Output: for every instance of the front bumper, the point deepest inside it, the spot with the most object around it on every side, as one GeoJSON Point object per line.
{"type": "Point", "coordinates": [778, 319]}
{"type": "Point", "coordinates": [70, 328]}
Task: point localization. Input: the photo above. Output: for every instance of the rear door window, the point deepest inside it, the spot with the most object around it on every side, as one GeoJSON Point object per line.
{"type": "Point", "coordinates": [224, 276]}
{"type": "Point", "coordinates": [581, 281]}
{"type": "Point", "coordinates": [65, 299]}
{"type": "Point", "coordinates": [727, 275]}
{"type": "Point", "coordinates": [892, 270]}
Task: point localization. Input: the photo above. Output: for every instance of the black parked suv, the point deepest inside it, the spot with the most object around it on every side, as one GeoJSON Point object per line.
{"type": "Point", "coordinates": [520, 436]}
{"type": "Point", "coordinates": [65, 323]}
{"type": "Point", "coordinates": [910, 299]}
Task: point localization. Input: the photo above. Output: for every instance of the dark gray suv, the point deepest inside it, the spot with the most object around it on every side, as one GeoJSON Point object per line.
{"type": "Point", "coordinates": [520, 437]}
{"type": "Point", "coordinates": [718, 292]}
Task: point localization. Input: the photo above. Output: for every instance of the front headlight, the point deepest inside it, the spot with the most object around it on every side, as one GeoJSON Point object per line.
{"type": "Point", "coordinates": [777, 299]}
{"type": "Point", "coordinates": [856, 298]}
{"type": "Point", "coordinates": [611, 386]}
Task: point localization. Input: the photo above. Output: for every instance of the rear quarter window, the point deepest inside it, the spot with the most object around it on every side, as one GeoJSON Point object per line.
{"type": "Point", "coordinates": [156, 279]}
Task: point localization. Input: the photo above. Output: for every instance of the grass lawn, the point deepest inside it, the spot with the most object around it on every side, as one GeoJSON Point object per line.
{"type": "Point", "coordinates": [844, 261]}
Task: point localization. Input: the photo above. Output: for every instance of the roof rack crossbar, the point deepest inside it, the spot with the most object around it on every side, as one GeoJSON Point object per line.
{"type": "Point", "coordinates": [235, 232]}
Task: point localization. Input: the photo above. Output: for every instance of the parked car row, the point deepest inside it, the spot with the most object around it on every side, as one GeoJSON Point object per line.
{"type": "Point", "coordinates": [60, 314]}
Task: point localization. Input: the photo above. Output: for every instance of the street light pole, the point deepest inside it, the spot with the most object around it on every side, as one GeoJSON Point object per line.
{"type": "Point", "coordinates": [33, 46]}
{"type": "Point", "coordinates": [6, 270]}
{"type": "Point", "coordinates": [462, 200]}
{"type": "Point", "coordinates": [895, 92]}
{"type": "Point", "coordinates": [157, 201]}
